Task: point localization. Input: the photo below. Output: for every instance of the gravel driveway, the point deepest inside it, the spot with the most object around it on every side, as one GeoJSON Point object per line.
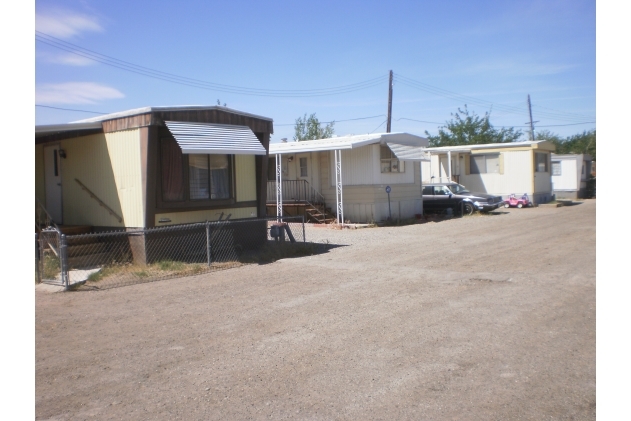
{"type": "Point", "coordinates": [480, 318]}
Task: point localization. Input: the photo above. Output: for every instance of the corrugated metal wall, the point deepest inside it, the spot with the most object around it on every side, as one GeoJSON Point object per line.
{"type": "Point", "coordinates": [245, 174]}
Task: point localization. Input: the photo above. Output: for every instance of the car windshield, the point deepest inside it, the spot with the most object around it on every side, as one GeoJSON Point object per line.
{"type": "Point", "coordinates": [457, 188]}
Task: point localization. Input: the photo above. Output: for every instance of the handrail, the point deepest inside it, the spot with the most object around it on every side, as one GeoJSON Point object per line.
{"type": "Point", "coordinates": [50, 221]}
{"type": "Point", "coordinates": [100, 202]}
{"type": "Point", "coordinates": [298, 190]}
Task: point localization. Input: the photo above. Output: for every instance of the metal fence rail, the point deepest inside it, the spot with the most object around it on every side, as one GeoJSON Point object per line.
{"type": "Point", "coordinates": [117, 258]}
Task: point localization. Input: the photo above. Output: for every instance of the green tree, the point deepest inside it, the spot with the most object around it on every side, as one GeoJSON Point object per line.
{"type": "Point", "coordinates": [470, 129]}
{"type": "Point", "coordinates": [309, 128]}
{"type": "Point", "coordinates": [581, 143]}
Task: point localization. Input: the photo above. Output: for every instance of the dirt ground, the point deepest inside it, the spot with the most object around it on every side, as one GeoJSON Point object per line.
{"type": "Point", "coordinates": [488, 317]}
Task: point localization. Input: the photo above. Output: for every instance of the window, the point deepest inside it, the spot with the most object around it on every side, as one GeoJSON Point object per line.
{"type": "Point", "coordinates": [389, 162]}
{"type": "Point", "coordinates": [556, 167]}
{"type": "Point", "coordinates": [541, 162]}
{"type": "Point", "coordinates": [484, 164]}
{"type": "Point", "coordinates": [441, 190]}
{"type": "Point", "coordinates": [194, 178]}
{"type": "Point", "coordinates": [303, 167]}
{"type": "Point", "coordinates": [428, 191]}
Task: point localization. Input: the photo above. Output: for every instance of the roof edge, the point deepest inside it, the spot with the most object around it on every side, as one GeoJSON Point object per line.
{"type": "Point", "coordinates": [144, 110]}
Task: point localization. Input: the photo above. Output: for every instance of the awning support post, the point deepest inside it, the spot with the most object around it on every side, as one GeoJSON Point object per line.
{"type": "Point", "coordinates": [279, 188]}
{"type": "Point", "coordinates": [338, 187]}
{"type": "Point", "coordinates": [449, 164]}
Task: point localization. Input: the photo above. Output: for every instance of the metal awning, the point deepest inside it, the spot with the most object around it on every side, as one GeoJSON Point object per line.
{"type": "Point", "coordinates": [205, 138]}
{"type": "Point", "coordinates": [408, 152]}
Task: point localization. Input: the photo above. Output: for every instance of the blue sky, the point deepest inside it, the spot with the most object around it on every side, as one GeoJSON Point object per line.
{"type": "Point", "coordinates": [493, 52]}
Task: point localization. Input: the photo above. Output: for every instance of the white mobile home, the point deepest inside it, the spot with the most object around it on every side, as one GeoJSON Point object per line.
{"type": "Point", "coordinates": [570, 174]}
{"type": "Point", "coordinates": [348, 175]}
{"type": "Point", "coordinates": [495, 168]}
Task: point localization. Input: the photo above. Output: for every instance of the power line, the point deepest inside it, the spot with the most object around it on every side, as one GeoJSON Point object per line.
{"type": "Point", "coordinates": [420, 121]}
{"type": "Point", "coordinates": [196, 83]}
{"type": "Point", "coordinates": [504, 127]}
{"type": "Point", "coordinates": [384, 121]}
{"type": "Point", "coordinates": [333, 121]}
{"type": "Point", "coordinates": [472, 100]}
{"type": "Point", "coordinates": [69, 109]}
{"type": "Point", "coordinates": [571, 124]}
{"type": "Point", "coordinates": [561, 112]}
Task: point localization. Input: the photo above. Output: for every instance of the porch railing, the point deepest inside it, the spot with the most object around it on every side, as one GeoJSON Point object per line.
{"type": "Point", "coordinates": [295, 191]}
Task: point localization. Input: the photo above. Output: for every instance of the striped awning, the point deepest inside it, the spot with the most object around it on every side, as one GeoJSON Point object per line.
{"type": "Point", "coordinates": [206, 138]}
{"type": "Point", "coordinates": [408, 152]}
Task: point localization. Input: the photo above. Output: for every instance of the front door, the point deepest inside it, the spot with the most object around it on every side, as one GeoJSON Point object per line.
{"type": "Point", "coordinates": [52, 175]}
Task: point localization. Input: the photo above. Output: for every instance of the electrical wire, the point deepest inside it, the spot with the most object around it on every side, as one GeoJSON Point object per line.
{"type": "Point", "coordinates": [472, 100]}
{"type": "Point", "coordinates": [69, 109]}
{"type": "Point", "coordinates": [182, 80]}
{"type": "Point", "coordinates": [333, 121]}
{"type": "Point", "coordinates": [379, 126]}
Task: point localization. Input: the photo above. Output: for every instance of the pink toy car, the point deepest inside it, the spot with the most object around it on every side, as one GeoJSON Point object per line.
{"type": "Point", "coordinates": [514, 202]}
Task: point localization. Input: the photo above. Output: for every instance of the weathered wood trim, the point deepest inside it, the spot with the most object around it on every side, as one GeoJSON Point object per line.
{"type": "Point", "coordinates": [127, 123]}
{"type": "Point", "coordinates": [157, 118]}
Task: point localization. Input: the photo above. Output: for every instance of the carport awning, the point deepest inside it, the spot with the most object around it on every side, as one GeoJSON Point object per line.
{"type": "Point", "coordinates": [205, 138]}
{"type": "Point", "coordinates": [408, 152]}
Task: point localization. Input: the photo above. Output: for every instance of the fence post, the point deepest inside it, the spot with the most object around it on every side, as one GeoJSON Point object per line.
{"type": "Point", "coordinates": [38, 273]}
{"type": "Point", "coordinates": [63, 256]}
{"type": "Point", "coordinates": [208, 251]}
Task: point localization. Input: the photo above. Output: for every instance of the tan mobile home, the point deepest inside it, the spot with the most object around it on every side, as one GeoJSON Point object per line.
{"type": "Point", "coordinates": [153, 166]}
{"type": "Point", "coordinates": [496, 168]}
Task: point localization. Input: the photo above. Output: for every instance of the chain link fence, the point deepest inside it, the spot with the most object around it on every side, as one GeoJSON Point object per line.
{"type": "Point", "coordinates": [117, 258]}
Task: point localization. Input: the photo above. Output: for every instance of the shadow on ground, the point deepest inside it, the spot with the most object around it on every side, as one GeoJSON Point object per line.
{"type": "Point", "coordinates": [115, 276]}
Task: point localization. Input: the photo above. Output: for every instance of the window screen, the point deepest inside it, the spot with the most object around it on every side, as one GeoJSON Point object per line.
{"type": "Point", "coordinates": [556, 168]}
{"type": "Point", "coordinates": [303, 167]}
{"type": "Point", "coordinates": [484, 164]}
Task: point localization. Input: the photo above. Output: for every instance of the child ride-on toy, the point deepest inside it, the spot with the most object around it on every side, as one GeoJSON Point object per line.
{"type": "Point", "coordinates": [514, 202]}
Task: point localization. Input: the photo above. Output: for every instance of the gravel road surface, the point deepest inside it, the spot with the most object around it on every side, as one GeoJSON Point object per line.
{"type": "Point", "coordinates": [487, 317]}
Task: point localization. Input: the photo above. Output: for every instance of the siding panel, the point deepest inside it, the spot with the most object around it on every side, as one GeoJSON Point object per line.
{"type": "Point", "coordinates": [245, 174]}
{"type": "Point", "coordinates": [124, 151]}
{"type": "Point", "coordinates": [109, 165]}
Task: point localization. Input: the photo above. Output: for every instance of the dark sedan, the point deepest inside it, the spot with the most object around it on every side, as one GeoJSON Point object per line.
{"type": "Point", "coordinates": [438, 197]}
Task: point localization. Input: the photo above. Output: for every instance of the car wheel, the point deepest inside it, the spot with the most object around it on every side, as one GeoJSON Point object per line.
{"type": "Point", "coordinates": [519, 206]}
{"type": "Point", "coordinates": [467, 209]}
{"type": "Point", "coordinates": [506, 205]}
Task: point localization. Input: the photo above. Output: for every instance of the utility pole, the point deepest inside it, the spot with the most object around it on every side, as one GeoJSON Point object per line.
{"type": "Point", "coordinates": [532, 123]}
{"type": "Point", "coordinates": [389, 127]}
